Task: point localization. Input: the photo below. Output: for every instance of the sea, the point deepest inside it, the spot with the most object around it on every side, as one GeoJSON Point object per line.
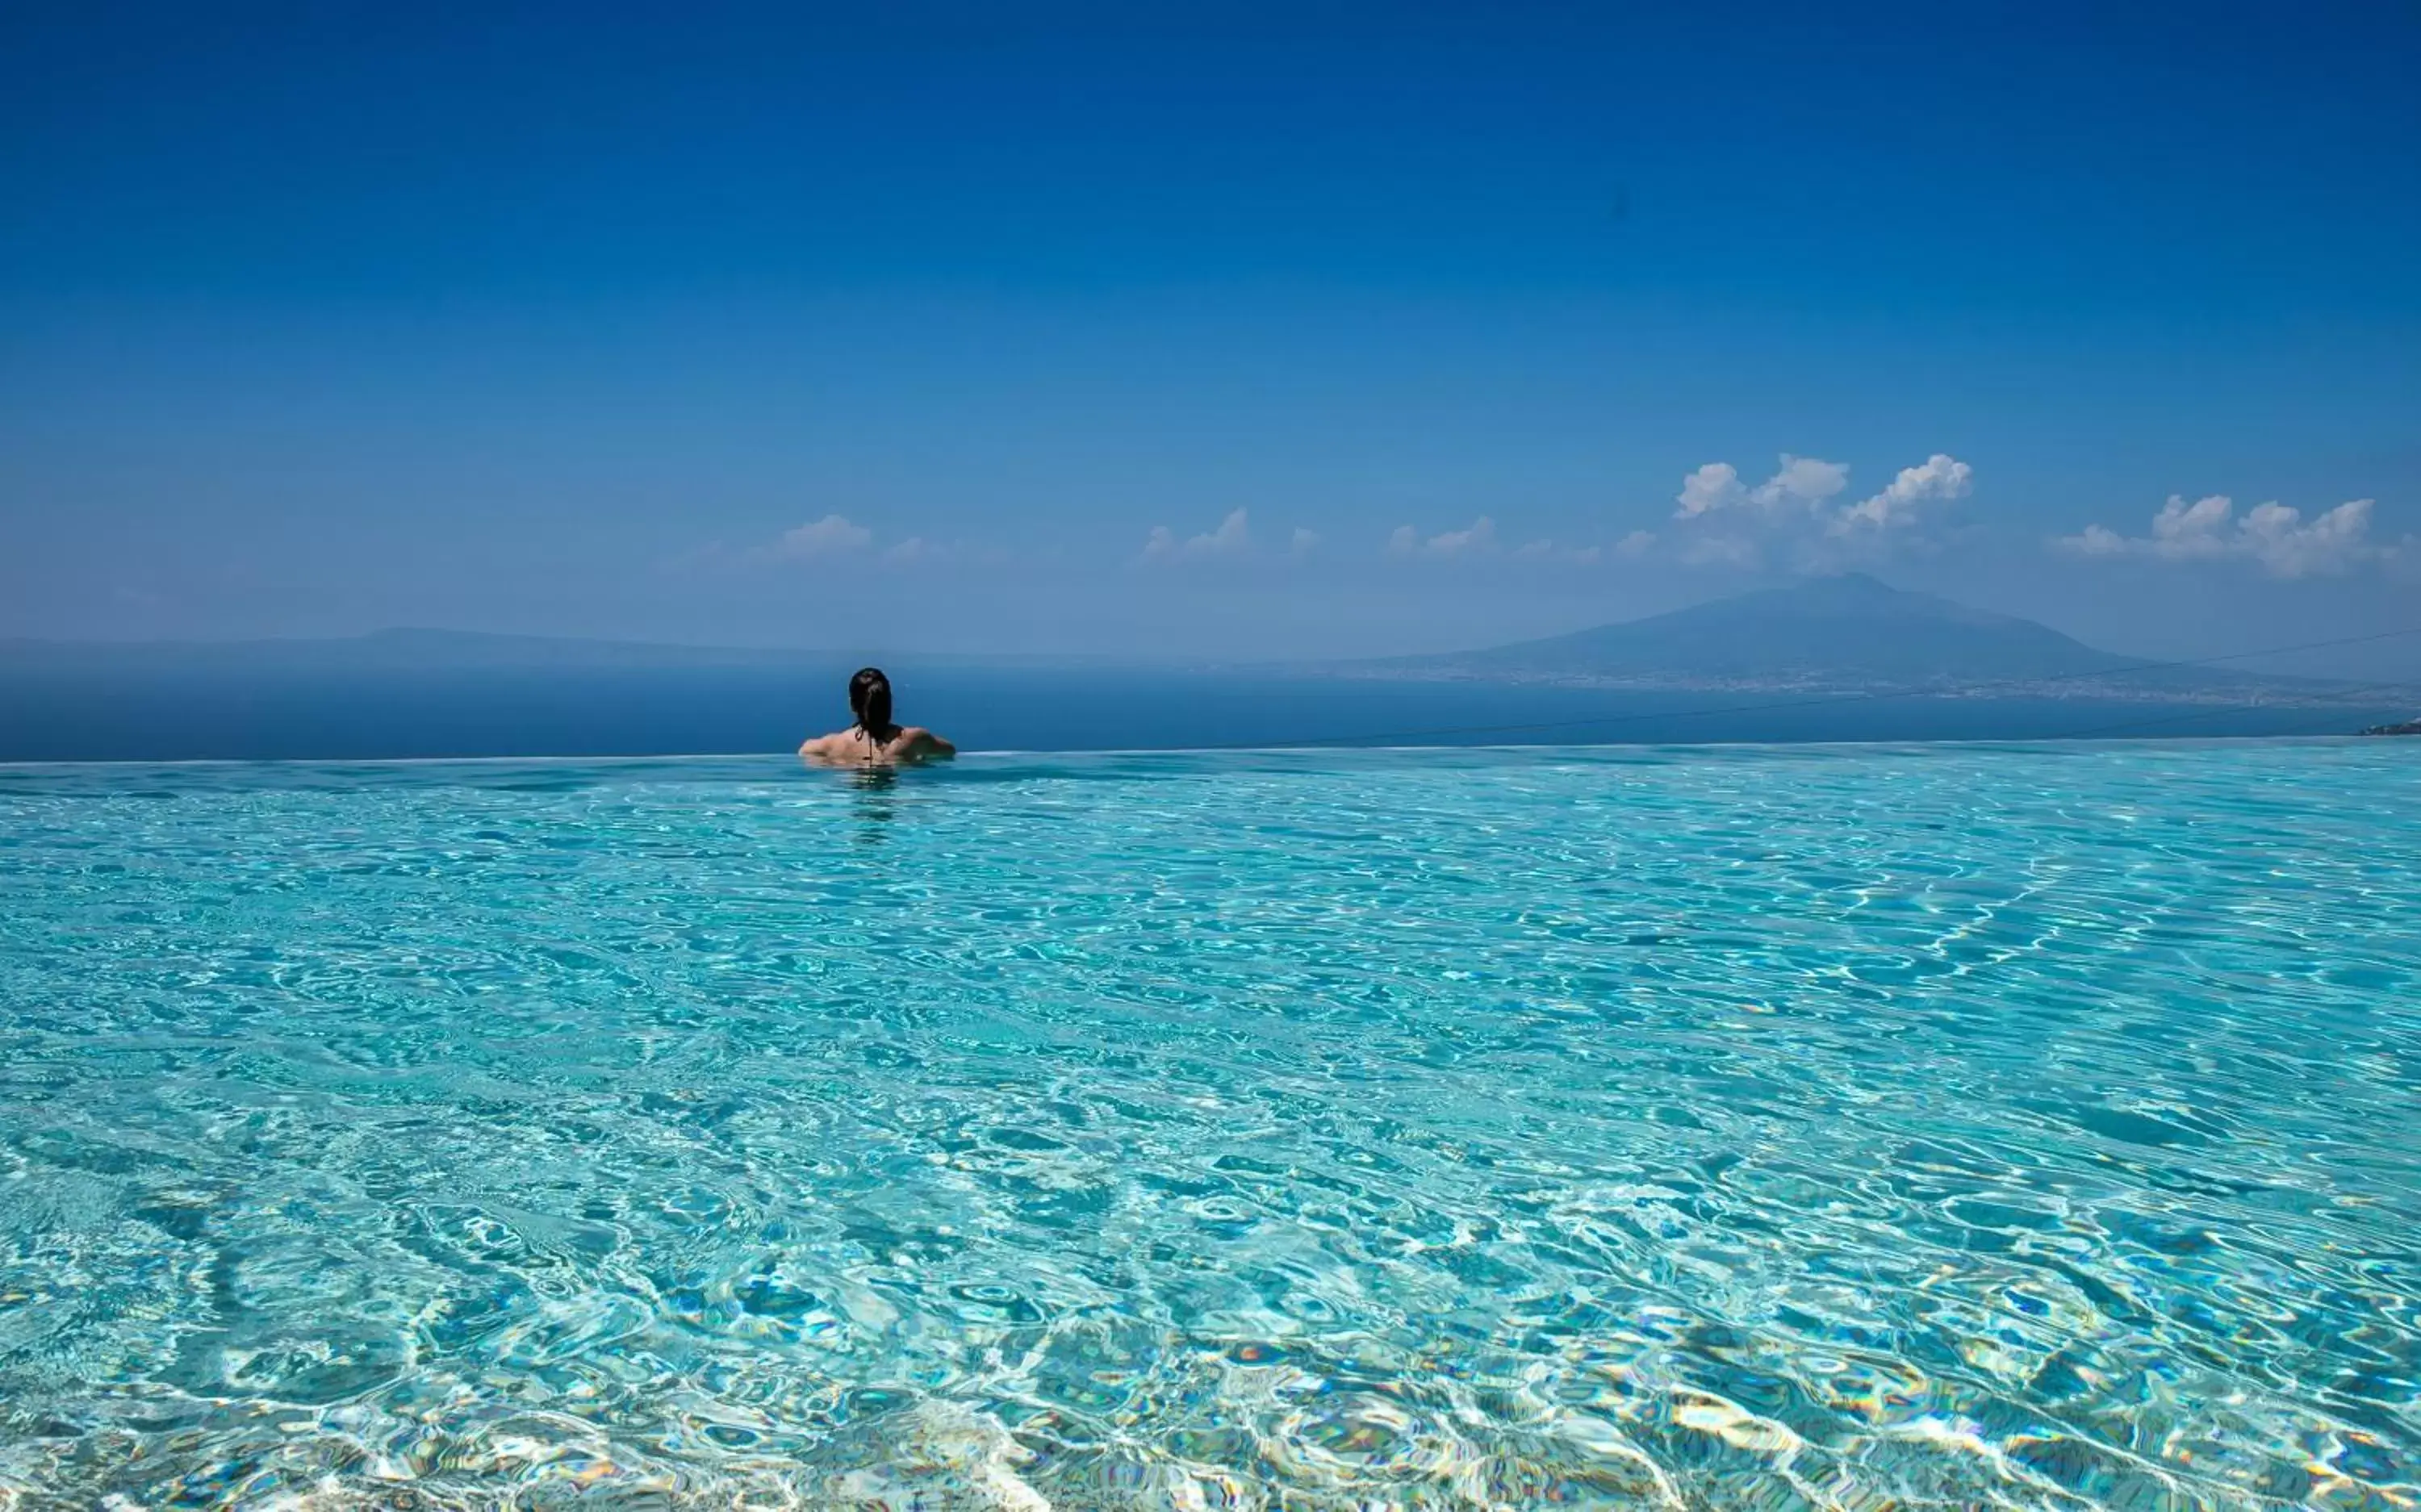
{"type": "Point", "coordinates": [2023, 1125]}
{"type": "Point", "coordinates": [74, 712]}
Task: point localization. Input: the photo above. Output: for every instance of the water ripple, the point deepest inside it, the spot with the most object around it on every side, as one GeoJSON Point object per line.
{"type": "Point", "coordinates": [1810, 1127]}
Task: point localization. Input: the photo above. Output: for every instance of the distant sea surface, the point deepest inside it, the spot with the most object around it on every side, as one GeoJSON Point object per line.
{"type": "Point", "coordinates": [146, 715]}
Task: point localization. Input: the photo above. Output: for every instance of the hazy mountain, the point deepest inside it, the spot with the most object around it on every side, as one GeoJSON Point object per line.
{"type": "Point", "coordinates": [1845, 631]}
{"type": "Point", "coordinates": [1673, 679]}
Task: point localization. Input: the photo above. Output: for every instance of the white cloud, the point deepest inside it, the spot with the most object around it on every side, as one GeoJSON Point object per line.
{"type": "Point", "coordinates": [1478, 538]}
{"type": "Point", "coordinates": [1726, 521]}
{"type": "Point", "coordinates": [1806, 481]}
{"type": "Point", "coordinates": [2272, 535]}
{"type": "Point", "coordinates": [1939, 477]}
{"type": "Point", "coordinates": [2287, 546]}
{"type": "Point", "coordinates": [2183, 530]}
{"type": "Point", "coordinates": [832, 536]}
{"type": "Point", "coordinates": [2097, 540]}
{"type": "Point", "coordinates": [1302, 544]}
{"type": "Point", "coordinates": [1473, 539]}
{"type": "Point", "coordinates": [1635, 544]}
{"type": "Point", "coordinates": [1233, 538]}
{"type": "Point", "coordinates": [1803, 483]}
{"type": "Point", "coordinates": [1715, 486]}
{"type": "Point", "coordinates": [836, 538]}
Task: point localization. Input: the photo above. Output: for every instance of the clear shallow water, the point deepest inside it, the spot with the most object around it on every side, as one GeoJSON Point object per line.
{"type": "Point", "coordinates": [1853, 1127]}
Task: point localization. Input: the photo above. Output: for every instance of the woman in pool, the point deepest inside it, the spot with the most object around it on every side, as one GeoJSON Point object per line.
{"type": "Point", "coordinates": [873, 740]}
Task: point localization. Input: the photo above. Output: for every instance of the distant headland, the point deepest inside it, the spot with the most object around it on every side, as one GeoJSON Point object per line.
{"type": "Point", "coordinates": [1850, 633]}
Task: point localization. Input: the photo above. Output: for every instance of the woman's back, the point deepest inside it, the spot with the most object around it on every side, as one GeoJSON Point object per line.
{"type": "Point", "coordinates": [856, 747]}
{"type": "Point", "coordinates": [874, 740]}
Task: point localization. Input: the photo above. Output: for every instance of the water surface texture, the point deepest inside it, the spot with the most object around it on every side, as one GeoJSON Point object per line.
{"type": "Point", "coordinates": [1854, 1128]}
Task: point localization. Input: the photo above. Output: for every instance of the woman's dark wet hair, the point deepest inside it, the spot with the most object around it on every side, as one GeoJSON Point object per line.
{"type": "Point", "coordinates": [870, 699]}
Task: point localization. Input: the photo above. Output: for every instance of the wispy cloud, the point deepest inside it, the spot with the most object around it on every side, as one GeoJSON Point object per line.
{"type": "Point", "coordinates": [1543, 550]}
{"type": "Point", "coordinates": [833, 536]}
{"type": "Point", "coordinates": [2272, 535]}
{"type": "Point", "coordinates": [1478, 538]}
{"type": "Point", "coordinates": [1232, 537]}
{"type": "Point", "coordinates": [1232, 541]}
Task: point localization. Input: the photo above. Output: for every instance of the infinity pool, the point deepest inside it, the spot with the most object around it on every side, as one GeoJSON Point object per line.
{"type": "Point", "coordinates": [1851, 1127]}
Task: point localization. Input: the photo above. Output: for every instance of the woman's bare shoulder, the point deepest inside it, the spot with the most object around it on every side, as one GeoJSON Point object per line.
{"type": "Point", "coordinates": [919, 742]}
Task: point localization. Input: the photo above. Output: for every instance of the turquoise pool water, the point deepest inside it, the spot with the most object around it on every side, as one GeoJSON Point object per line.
{"type": "Point", "coordinates": [1853, 1127]}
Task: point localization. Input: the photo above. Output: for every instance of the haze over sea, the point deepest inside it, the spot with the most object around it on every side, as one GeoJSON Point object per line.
{"type": "Point", "coordinates": [1829, 658]}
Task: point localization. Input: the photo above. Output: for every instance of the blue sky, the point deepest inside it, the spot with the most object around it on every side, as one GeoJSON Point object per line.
{"type": "Point", "coordinates": [952, 329]}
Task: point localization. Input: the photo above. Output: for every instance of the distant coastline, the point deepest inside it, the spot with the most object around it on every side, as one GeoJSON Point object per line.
{"type": "Point", "coordinates": [2097, 687]}
{"type": "Point", "coordinates": [1849, 634]}
{"type": "Point", "coordinates": [1840, 659]}
{"type": "Point", "coordinates": [136, 714]}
